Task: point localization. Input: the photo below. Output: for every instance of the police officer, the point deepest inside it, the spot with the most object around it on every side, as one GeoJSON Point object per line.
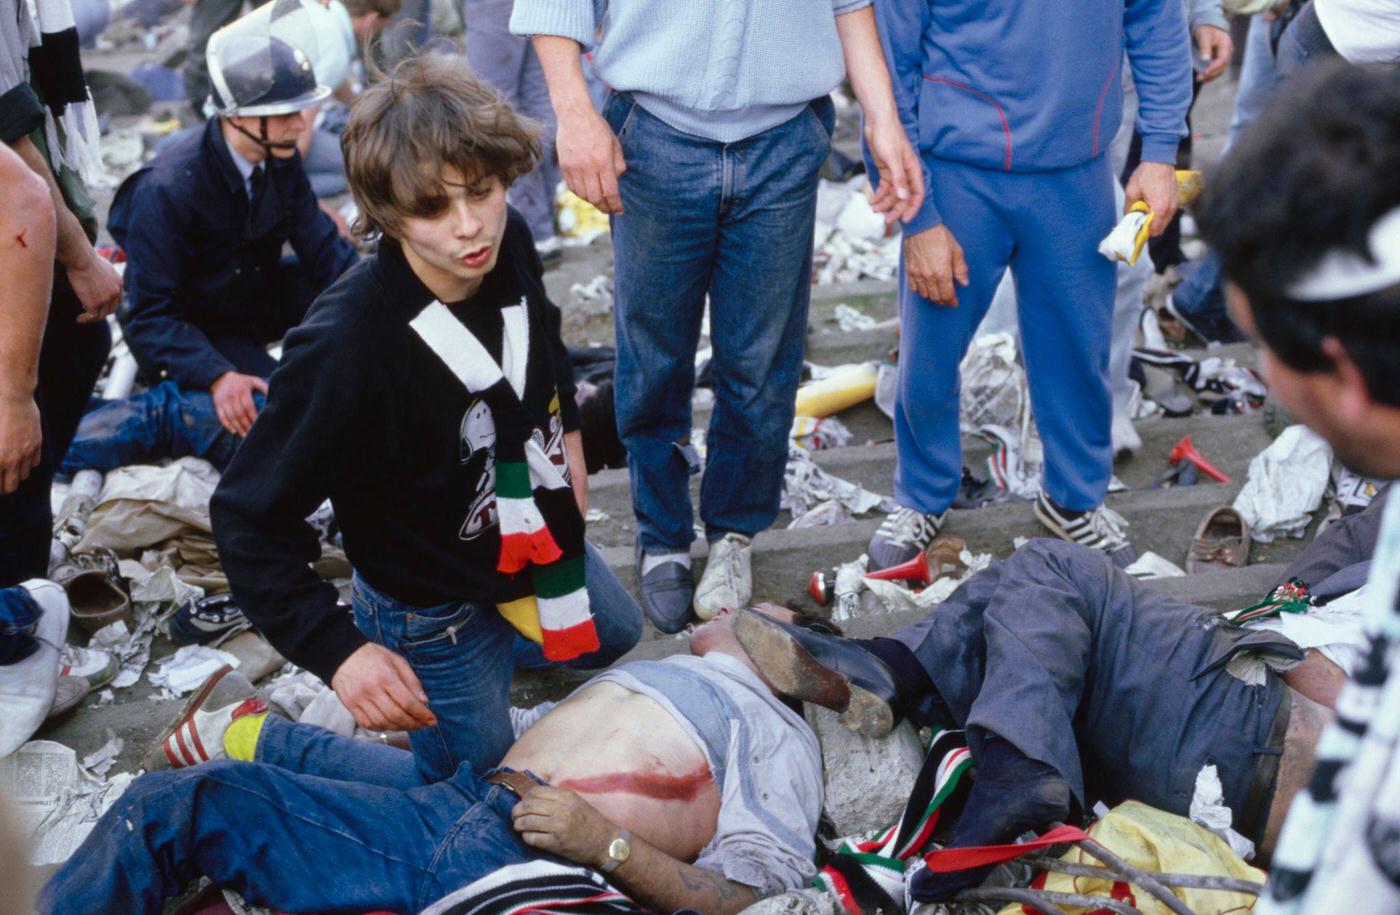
{"type": "Point", "coordinates": [205, 223]}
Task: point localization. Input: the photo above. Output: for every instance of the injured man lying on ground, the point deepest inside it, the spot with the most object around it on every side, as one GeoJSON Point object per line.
{"type": "Point", "coordinates": [1077, 683]}
{"type": "Point", "coordinates": [686, 783]}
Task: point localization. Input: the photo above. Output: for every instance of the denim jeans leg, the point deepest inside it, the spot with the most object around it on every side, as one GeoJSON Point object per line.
{"type": "Point", "coordinates": [164, 422]}
{"type": "Point", "coordinates": [313, 750]}
{"type": "Point", "coordinates": [335, 844]}
{"type": "Point", "coordinates": [758, 317]}
{"type": "Point", "coordinates": [463, 656]}
{"type": "Point", "coordinates": [1257, 77]}
{"type": "Point", "coordinates": [664, 246]}
{"type": "Point", "coordinates": [616, 615]}
{"type": "Point", "coordinates": [19, 615]}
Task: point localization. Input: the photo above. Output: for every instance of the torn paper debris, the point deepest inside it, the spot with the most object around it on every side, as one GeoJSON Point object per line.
{"type": "Point", "coordinates": [189, 667]}
{"type": "Point", "coordinates": [1286, 483]}
{"type": "Point", "coordinates": [849, 318]}
{"type": "Point", "coordinates": [897, 596]}
{"type": "Point", "coordinates": [1208, 810]}
{"type": "Point", "coordinates": [805, 485]}
{"type": "Point", "coordinates": [101, 760]}
{"type": "Point", "coordinates": [57, 799]}
{"type": "Point", "coordinates": [993, 384]}
{"type": "Point", "coordinates": [823, 514]}
{"type": "Point", "coordinates": [1150, 565]}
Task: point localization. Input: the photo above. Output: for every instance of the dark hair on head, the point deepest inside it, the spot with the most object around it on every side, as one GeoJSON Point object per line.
{"type": "Point", "coordinates": [1312, 176]}
{"type": "Point", "coordinates": [385, 8]}
{"type": "Point", "coordinates": [428, 115]}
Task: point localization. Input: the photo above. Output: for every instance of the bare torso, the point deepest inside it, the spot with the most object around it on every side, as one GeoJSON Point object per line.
{"type": "Point", "coordinates": [626, 755]}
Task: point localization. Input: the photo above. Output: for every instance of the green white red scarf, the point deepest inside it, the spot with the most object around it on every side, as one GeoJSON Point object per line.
{"type": "Point", "coordinates": [540, 525]}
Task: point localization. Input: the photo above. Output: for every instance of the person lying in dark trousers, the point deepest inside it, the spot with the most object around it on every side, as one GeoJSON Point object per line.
{"type": "Point", "coordinates": [1077, 683]}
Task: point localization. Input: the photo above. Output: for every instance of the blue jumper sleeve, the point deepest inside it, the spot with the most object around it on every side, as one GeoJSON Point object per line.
{"type": "Point", "coordinates": [315, 239]}
{"type": "Point", "coordinates": [159, 251]}
{"type": "Point", "coordinates": [901, 24]}
{"type": "Point", "coordinates": [576, 19]}
{"type": "Point", "coordinates": [1159, 51]}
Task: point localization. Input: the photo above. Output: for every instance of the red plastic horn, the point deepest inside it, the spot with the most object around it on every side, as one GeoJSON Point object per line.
{"type": "Point", "coordinates": [820, 588]}
{"type": "Point", "coordinates": [1184, 450]}
{"type": "Point", "coordinates": [915, 571]}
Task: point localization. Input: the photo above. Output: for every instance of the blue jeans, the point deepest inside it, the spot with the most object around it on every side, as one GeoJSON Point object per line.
{"type": "Point", "coordinates": [319, 823]}
{"type": "Point", "coordinates": [1045, 227]}
{"type": "Point", "coordinates": [1257, 77]}
{"type": "Point", "coordinates": [1200, 299]}
{"type": "Point", "coordinates": [464, 654]}
{"type": "Point", "coordinates": [734, 221]}
{"type": "Point", "coordinates": [1303, 43]}
{"type": "Point", "coordinates": [164, 422]}
{"type": "Point", "coordinates": [19, 615]}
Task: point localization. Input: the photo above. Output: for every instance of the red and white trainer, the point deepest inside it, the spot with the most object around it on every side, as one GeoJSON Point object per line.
{"type": "Point", "coordinates": [197, 735]}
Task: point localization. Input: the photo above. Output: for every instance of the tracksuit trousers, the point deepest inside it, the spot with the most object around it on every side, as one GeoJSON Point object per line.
{"type": "Point", "coordinates": [1045, 227]}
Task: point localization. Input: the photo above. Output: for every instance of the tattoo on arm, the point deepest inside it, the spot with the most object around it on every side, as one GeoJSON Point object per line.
{"type": "Point", "coordinates": [709, 885]}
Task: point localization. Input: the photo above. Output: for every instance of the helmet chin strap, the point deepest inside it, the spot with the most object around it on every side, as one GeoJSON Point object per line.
{"type": "Point", "coordinates": [267, 145]}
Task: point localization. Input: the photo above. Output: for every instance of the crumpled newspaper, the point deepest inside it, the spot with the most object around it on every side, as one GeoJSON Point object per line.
{"type": "Point", "coordinates": [823, 514]}
{"type": "Point", "coordinates": [849, 580]}
{"type": "Point", "coordinates": [1208, 809]}
{"type": "Point", "coordinates": [190, 666]}
{"type": "Point", "coordinates": [897, 596]}
{"type": "Point", "coordinates": [58, 800]}
{"type": "Point", "coordinates": [817, 433]}
{"type": "Point", "coordinates": [805, 485]}
{"type": "Point", "coordinates": [1150, 565]}
{"type": "Point", "coordinates": [849, 318]}
{"type": "Point", "coordinates": [886, 383]}
{"type": "Point", "coordinates": [1285, 486]}
{"type": "Point", "coordinates": [993, 384]}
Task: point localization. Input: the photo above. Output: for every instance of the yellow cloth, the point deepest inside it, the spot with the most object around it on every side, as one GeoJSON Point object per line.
{"type": "Point", "coordinates": [524, 614]}
{"type": "Point", "coordinates": [1160, 842]}
{"type": "Point", "coordinates": [241, 737]}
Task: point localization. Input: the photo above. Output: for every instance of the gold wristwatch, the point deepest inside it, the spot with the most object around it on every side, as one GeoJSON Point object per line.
{"type": "Point", "coordinates": [619, 850]}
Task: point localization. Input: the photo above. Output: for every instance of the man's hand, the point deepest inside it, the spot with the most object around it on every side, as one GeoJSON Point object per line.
{"type": "Point", "coordinates": [233, 400]}
{"type": "Point", "coordinates": [20, 439]}
{"type": "Point", "coordinates": [591, 159]}
{"type": "Point", "coordinates": [933, 262]}
{"type": "Point", "coordinates": [381, 690]}
{"type": "Point", "coordinates": [901, 190]}
{"type": "Point", "coordinates": [1154, 183]}
{"type": "Point", "coordinates": [1216, 48]}
{"type": "Point", "coordinates": [98, 287]}
{"type": "Point", "coordinates": [558, 821]}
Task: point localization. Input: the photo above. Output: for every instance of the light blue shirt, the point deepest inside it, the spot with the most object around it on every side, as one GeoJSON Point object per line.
{"type": "Point", "coordinates": [245, 168]}
{"type": "Point", "coordinates": [722, 70]}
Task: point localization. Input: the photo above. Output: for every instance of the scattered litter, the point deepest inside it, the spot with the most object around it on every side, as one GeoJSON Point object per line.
{"type": "Point", "coordinates": [599, 286]}
{"type": "Point", "coordinates": [849, 318]}
{"type": "Point", "coordinates": [577, 218]}
{"type": "Point", "coordinates": [596, 515]}
{"type": "Point", "coordinates": [132, 650]}
{"type": "Point", "coordinates": [993, 384]}
{"type": "Point", "coordinates": [817, 434]}
{"type": "Point", "coordinates": [189, 667]}
{"type": "Point", "coordinates": [805, 485]}
{"type": "Point", "coordinates": [106, 697]}
{"type": "Point", "coordinates": [1015, 463]}
{"type": "Point", "coordinates": [845, 386]}
{"type": "Point", "coordinates": [101, 760]}
{"type": "Point", "coordinates": [58, 800]}
{"type": "Point", "coordinates": [1185, 450]}
{"type": "Point", "coordinates": [1286, 483]}
{"type": "Point", "coordinates": [846, 587]}
{"type": "Point", "coordinates": [897, 596]}
{"type": "Point", "coordinates": [823, 514]}
{"type": "Point", "coordinates": [886, 382]}
{"type": "Point", "coordinates": [1208, 810]}
{"type": "Point", "coordinates": [1149, 565]}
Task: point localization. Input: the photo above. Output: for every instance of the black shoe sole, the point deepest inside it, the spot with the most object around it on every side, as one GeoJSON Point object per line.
{"type": "Point", "coordinates": [793, 672]}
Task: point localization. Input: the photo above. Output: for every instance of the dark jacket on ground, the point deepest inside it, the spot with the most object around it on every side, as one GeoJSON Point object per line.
{"type": "Point", "coordinates": [362, 412]}
{"type": "Point", "coordinates": [206, 289]}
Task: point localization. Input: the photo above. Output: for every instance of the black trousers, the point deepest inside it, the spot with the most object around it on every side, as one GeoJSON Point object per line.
{"type": "Point", "coordinates": [69, 362]}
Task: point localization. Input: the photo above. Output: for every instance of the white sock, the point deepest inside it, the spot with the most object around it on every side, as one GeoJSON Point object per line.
{"type": "Point", "coordinates": [650, 562]}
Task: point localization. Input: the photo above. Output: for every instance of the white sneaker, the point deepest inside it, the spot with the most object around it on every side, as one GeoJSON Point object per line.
{"type": "Point", "coordinates": [197, 735]}
{"type": "Point", "coordinates": [27, 686]}
{"type": "Point", "coordinates": [96, 666]}
{"type": "Point", "coordinates": [728, 579]}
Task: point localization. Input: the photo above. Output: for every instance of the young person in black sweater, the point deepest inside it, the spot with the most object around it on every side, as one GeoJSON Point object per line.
{"type": "Point", "coordinates": [429, 396]}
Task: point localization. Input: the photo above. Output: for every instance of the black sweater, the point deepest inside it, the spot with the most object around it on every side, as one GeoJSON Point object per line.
{"type": "Point", "coordinates": [362, 412]}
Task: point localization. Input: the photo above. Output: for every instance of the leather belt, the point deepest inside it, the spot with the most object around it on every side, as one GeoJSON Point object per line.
{"type": "Point", "coordinates": [517, 783]}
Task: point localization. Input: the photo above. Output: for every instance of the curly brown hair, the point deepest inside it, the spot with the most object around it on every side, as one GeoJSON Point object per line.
{"type": "Point", "coordinates": [427, 116]}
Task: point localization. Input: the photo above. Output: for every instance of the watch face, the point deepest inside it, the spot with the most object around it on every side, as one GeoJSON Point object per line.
{"type": "Point", "coordinates": [619, 850]}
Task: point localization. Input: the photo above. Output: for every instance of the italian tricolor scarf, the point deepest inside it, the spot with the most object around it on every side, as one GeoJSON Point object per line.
{"type": "Point", "coordinates": [540, 525]}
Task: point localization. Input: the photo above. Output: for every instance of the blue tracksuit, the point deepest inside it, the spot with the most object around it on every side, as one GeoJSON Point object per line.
{"type": "Point", "coordinates": [207, 285]}
{"type": "Point", "coordinates": [1012, 104]}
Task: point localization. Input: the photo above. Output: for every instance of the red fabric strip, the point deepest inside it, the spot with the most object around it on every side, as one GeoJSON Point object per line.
{"type": "Point", "coordinates": [948, 860]}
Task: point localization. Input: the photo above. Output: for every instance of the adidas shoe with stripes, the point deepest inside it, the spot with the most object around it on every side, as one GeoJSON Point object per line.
{"type": "Point", "coordinates": [197, 734]}
{"type": "Point", "coordinates": [904, 534]}
{"type": "Point", "coordinates": [1099, 528]}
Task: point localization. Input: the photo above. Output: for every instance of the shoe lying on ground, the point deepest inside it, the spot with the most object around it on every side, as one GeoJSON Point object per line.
{"type": "Point", "coordinates": [728, 578]}
{"type": "Point", "coordinates": [68, 692]}
{"type": "Point", "coordinates": [197, 733]}
{"type": "Point", "coordinates": [667, 591]}
{"type": "Point", "coordinates": [823, 669]}
{"type": "Point", "coordinates": [95, 589]}
{"type": "Point", "coordinates": [27, 686]}
{"type": "Point", "coordinates": [94, 665]}
{"type": "Point", "coordinates": [203, 621]}
{"type": "Point", "coordinates": [904, 534]}
{"type": "Point", "coordinates": [1099, 528]}
{"type": "Point", "coordinates": [1221, 542]}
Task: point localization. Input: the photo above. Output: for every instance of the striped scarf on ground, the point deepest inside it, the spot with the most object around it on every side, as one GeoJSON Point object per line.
{"type": "Point", "coordinates": [537, 888]}
{"type": "Point", "coordinates": [1340, 846]}
{"type": "Point", "coordinates": [867, 875]}
{"type": "Point", "coordinates": [540, 525]}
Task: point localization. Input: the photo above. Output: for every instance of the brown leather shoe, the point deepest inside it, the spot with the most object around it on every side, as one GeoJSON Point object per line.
{"type": "Point", "coordinates": [1222, 542]}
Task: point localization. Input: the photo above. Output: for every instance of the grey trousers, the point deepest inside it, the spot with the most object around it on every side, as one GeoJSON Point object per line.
{"type": "Point", "coordinates": [1115, 685]}
{"type": "Point", "coordinates": [508, 62]}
